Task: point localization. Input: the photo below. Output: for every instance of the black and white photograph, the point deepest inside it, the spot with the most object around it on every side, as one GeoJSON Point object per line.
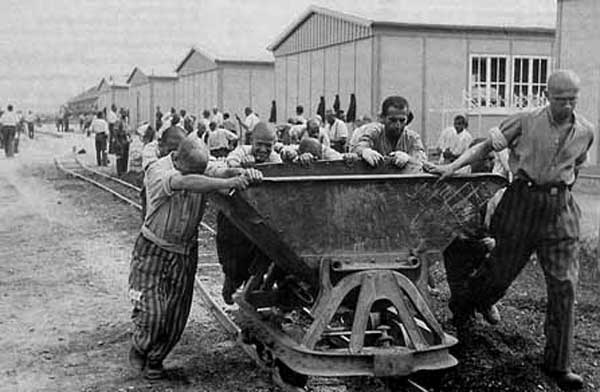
{"type": "Point", "coordinates": [299, 196]}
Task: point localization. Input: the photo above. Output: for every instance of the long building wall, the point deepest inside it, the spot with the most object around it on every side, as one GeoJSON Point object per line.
{"type": "Point", "coordinates": [302, 78]}
{"type": "Point", "coordinates": [577, 47]}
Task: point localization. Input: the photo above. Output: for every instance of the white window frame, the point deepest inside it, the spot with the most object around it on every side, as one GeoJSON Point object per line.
{"type": "Point", "coordinates": [540, 99]}
{"type": "Point", "coordinates": [488, 83]}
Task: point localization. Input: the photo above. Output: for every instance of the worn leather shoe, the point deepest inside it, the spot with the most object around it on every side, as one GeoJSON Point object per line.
{"type": "Point", "coordinates": [491, 315]}
{"type": "Point", "coordinates": [567, 381]}
{"type": "Point", "coordinates": [154, 371]}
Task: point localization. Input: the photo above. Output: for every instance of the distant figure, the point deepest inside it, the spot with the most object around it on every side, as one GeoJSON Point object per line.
{"type": "Point", "coordinates": [122, 141]}
{"type": "Point", "coordinates": [217, 117]}
{"type": "Point", "coordinates": [205, 120]}
{"type": "Point", "coordinates": [247, 126]}
{"type": "Point", "coordinates": [99, 128]}
{"type": "Point", "coordinates": [111, 119]}
{"type": "Point", "coordinates": [454, 140]}
{"type": "Point", "coordinates": [336, 130]}
{"type": "Point", "coordinates": [220, 140]}
{"type": "Point", "coordinates": [8, 121]}
{"type": "Point", "coordinates": [229, 124]}
{"type": "Point", "coordinates": [30, 121]}
{"type": "Point", "coordinates": [65, 121]}
{"type": "Point", "coordinates": [299, 118]}
{"type": "Point", "coordinates": [158, 122]}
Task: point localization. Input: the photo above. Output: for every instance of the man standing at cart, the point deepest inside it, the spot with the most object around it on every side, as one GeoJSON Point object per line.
{"type": "Point", "coordinates": [391, 137]}
{"type": "Point", "coordinates": [234, 249]}
{"type": "Point", "coordinates": [537, 213]}
{"type": "Point", "coordinates": [165, 256]}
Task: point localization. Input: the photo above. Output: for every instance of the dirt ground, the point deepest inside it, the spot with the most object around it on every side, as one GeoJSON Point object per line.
{"type": "Point", "coordinates": [64, 314]}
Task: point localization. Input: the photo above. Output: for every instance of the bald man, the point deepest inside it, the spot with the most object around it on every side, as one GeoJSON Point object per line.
{"type": "Point", "coordinates": [537, 213]}
{"type": "Point", "coordinates": [165, 255]}
{"type": "Point", "coordinates": [236, 252]}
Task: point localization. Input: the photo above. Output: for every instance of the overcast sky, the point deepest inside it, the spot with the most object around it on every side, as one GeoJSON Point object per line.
{"type": "Point", "coordinates": [53, 50]}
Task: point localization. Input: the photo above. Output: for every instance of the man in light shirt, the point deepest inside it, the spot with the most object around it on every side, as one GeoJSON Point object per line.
{"type": "Point", "coordinates": [220, 140]}
{"type": "Point", "coordinates": [337, 131]}
{"type": "Point", "coordinates": [99, 128]}
{"type": "Point", "coordinates": [111, 119]}
{"type": "Point", "coordinates": [454, 140]}
{"type": "Point", "coordinates": [30, 119]}
{"type": "Point", "coordinates": [9, 121]}
{"type": "Point", "coordinates": [247, 126]}
{"type": "Point", "coordinates": [217, 117]}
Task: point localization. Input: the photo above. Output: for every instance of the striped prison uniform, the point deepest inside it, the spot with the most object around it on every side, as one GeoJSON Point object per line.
{"type": "Point", "coordinates": [164, 262]}
{"type": "Point", "coordinates": [538, 213]}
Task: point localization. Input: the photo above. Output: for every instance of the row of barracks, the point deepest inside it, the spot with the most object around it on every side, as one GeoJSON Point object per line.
{"type": "Point", "coordinates": [484, 67]}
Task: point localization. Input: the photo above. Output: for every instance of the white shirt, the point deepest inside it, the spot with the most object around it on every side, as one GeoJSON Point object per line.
{"type": "Point", "coordinates": [251, 121]}
{"type": "Point", "coordinates": [217, 118]}
{"type": "Point", "coordinates": [9, 119]}
{"type": "Point", "coordinates": [111, 117]}
{"type": "Point", "coordinates": [99, 126]}
{"type": "Point", "coordinates": [458, 143]}
{"type": "Point", "coordinates": [337, 130]}
{"type": "Point", "coordinates": [220, 138]}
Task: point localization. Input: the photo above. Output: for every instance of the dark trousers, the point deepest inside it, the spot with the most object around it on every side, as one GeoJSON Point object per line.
{"type": "Point", "coordinates": [235, 251]}
{"type": "Point", "coordinates": [545, 221]}
{"type": "Point", "coordinates": [30, 130]}
{"type": "Point", "coordinates": [8, 139]}
{"type": "Point", "coordinates": [101, 158]}
{"type": "Point", "coordinates": [111, 138]}
{"type": "Point", "coordinates": [161, 287]}
{"type": "Point", "coordinates": [123, 159]}
{"type": "Point", "coordinates": [461, 259]}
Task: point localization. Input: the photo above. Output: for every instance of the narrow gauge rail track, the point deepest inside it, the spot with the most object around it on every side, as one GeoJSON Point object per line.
{"type": "Point", "coordinates": [128, 193]}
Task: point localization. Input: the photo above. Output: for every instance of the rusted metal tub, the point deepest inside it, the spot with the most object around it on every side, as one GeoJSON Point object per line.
{"type": "Point", "coordinates": [354, 239]}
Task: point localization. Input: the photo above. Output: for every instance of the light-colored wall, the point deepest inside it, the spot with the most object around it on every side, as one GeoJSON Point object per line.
{"type": "Point", "coordinates": [446, 79]}
{"type": "Point", "coordinates": [197, 91]}
{"type": "Point", "coordinates": [139, 104]}
{"type": "Point", "coordinates": [401, 70]}
{"type": "Point", "coordinates": [302, 78]}
{"type": "Point", "coordinates": [431, 71]}
{"type": "Point", "coordinates": [262, 87]}
{"type": "Point", "coordinates": [121, 97]}
{"type": "Point", "coordinates": [577, 47]}
{"type": "Point", "coordinates": [163, 95]}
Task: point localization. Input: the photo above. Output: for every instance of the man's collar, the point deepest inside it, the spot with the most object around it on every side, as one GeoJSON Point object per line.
{"type": "Point", "coordinates": [553, 121]}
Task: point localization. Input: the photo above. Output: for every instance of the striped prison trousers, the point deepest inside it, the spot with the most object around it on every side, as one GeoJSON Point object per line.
{"type": "Point", "coordinates": [546, 221]}
{"type": "Point", "coordinates": [161, 287]}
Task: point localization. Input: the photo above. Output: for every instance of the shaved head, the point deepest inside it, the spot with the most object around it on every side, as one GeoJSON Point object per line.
{"type": "Point", "coordinates": [263, 139]}
{"type": "Point", "coordinates": [192, 156]}
{"type": "Point", "coordinates": [562, 94]}
{"type": "Point", "coordinates": [563, 80]}
{"type": "Point", "coordinates": [264, 133]}
{"type": "Point", "coordinates": [311, 146]}
{"type": "Point", "coordinates": [170, 139]}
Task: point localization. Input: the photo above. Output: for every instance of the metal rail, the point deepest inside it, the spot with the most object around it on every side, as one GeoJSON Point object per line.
{"type": "Point", "coordinates": [117, 180]}
{"type": "Point", "coordinates": [96, 183]}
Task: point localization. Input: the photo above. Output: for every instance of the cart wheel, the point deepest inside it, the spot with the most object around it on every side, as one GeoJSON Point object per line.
{"type": "Point", "coordinates": [287, 379]}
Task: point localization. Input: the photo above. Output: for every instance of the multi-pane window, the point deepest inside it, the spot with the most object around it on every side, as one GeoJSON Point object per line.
{"type": "Point", "coordinates": [493, 84]}
{"type": "Point", "coordinates": [529, 81]}
{"type": "Point", "coordinates": [488, 85]}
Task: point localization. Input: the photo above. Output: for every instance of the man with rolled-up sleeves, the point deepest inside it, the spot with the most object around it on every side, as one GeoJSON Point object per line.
{"type": "Point", "coordinates": [537, 213]}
